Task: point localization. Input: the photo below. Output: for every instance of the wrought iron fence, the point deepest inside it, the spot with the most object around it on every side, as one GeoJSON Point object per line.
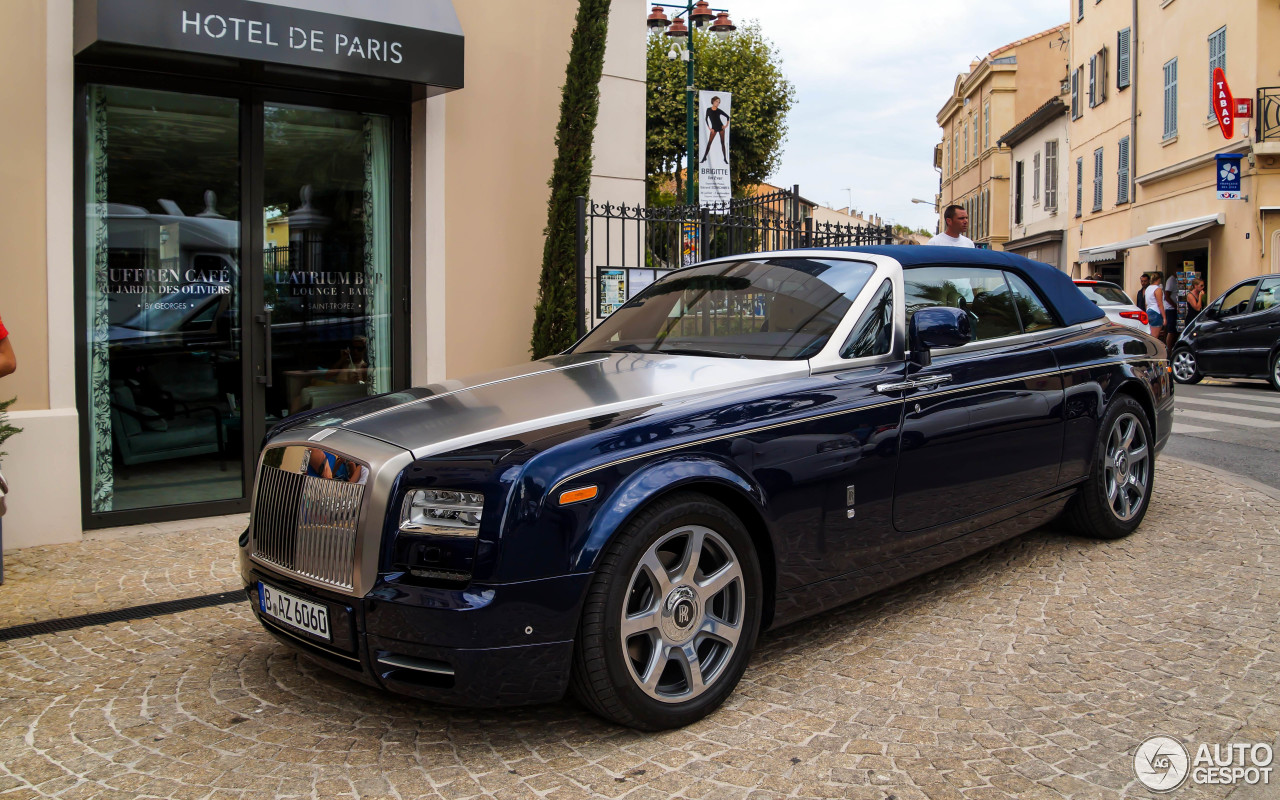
{"type": "Point", "coordinates": [1268, 113]}
{"type": "Point", "coordinates": [622, 249]}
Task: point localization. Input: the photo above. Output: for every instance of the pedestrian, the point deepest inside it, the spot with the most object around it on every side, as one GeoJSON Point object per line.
{"type": "Point", "coordinates": [1155, 307]}
{"type": "Point", "coordinates": [1171, 309]}
{"type": "Point", "coordinates": [1195, 299]}
{"type": "Point", "coordinates": [956, 221]}
{"type": "Point", "coordinates": [1140, 299]}
{"type": "Point", "coordinates": [8, 363]}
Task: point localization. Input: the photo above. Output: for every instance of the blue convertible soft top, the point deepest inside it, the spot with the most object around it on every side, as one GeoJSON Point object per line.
{"type": "Point", "coordinates": [1069, 302]}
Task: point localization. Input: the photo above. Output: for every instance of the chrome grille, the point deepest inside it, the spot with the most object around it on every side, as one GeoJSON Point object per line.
{"type": "Point", "coordinates": [307, 525]}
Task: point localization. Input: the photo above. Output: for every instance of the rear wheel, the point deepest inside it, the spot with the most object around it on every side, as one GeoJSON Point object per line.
{"type": "Point", "coordinates": [1274, 374]}
{"type": "Point", "coordinates": [671, 616]}
{"type": "Point", "coordinates": [1114, 498]}
{"type": "Point", "coordinates": [1185, 367]}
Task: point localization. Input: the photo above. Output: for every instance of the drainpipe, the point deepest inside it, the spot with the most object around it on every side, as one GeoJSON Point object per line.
{"type": "Point", "coordinates": [1133, 109]}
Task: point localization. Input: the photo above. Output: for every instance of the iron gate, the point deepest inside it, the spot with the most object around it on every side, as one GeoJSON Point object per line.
{"type": "Point", "coordinates": [621, 248]}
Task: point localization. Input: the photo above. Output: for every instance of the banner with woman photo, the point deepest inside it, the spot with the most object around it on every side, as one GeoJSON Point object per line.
{"type": "Point", "coordinates": [715, 119]}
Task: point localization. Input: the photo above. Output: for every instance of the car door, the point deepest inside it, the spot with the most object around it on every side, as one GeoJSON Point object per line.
{"type": "Point", "coordinates": [984, 427]}
{"type": "Point", "coordinates": [1217, 338]}
{"type": "Point", "coordinates": [1258, 332]}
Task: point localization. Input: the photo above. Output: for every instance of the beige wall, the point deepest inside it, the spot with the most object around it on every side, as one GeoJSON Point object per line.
{"type": "Point", "coordinates": [23, 287]}
{"type": "Point", "coordinates": [500, 146]}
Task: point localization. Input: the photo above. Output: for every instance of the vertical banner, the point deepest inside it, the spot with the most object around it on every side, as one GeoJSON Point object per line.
{"type": "Point", "coordinates": [1229, 176]}
{"type": "Point", "coordinates": [714, 118]}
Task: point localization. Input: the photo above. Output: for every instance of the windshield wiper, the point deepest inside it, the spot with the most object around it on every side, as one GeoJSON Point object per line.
{"type": "Point", "coordinates": [622, 348]}
{"type": "Point", "coordinates": [693, 351]}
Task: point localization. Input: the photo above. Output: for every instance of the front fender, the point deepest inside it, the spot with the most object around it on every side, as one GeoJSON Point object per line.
{"type": "Point", "coordinates": [647, 483]}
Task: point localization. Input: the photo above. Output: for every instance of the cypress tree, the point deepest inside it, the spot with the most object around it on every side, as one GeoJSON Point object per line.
{"type": "Point", "coordinates": [555, 316]}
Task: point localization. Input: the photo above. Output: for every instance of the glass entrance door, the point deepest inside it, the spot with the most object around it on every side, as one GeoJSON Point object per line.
{"type": "Point", "coordinates": [211, 312]}
{"type": "Point", "coordinates": [326, 258]}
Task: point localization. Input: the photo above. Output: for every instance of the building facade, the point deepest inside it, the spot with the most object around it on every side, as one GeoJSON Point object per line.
{"type": "Point", "coordinates": [222, 212]}
{"type": "Point", "coordinates": [1038, 182]}
{"type": "Point", "coordinates": [1144, 140]}
{"type": "Point", "coordinates": [997, 91]}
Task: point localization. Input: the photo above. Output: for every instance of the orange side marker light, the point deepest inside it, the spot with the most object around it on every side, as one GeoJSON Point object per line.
{"type": "Point", "coordinates": [578, 495]}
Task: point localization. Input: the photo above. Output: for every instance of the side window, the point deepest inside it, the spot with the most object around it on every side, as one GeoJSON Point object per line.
{"type": "Point", "coordinates": [1268, 295]}
{"type": "Point", "coordinates": [1032, 311]}
{"type": "Point", "coordinates": [873, 335]}
{"type": "Point", "coordinates": [1237, 300]}
{"type": "Point", "coordinates": [981, 293]}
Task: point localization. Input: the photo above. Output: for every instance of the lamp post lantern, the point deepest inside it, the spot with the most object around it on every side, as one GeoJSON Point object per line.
{"type": "Point", "coordinates": [699, 14]}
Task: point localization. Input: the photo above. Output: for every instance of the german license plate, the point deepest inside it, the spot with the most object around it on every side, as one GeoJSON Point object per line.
{"type": "Point", "coordinates": [294, 611]}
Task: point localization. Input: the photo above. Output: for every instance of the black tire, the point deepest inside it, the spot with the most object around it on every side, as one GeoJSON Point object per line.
{"type": "Point", "coordinates": [1186, 367]}
{"type": "Point", "coordinates": [1095, 511]}
{"type": "Point", "coordinates": [1274, 374]}
{"type": "Point", "coordinates": [604, 675]}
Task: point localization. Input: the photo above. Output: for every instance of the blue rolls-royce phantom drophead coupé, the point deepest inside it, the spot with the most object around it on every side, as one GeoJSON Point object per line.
{"type": "Point", "coordinates": [744, 443]}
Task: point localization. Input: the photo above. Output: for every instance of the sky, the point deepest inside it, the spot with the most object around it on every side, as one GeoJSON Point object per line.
{"type": "Point", "coordinates": [870, 77]}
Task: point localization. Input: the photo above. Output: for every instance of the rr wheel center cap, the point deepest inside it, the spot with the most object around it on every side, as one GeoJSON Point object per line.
{"type": "Point", "coordinates": [1122, 465]}
{"type": "Point", "coordinates": [680, 614]}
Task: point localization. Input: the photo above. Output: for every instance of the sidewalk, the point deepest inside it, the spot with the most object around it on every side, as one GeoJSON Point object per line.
{"type": "Point", "coordinates": [1030, 671]}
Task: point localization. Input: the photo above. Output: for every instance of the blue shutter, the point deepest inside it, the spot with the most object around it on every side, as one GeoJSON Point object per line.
{"type": "Point", "coordinates": [1122, 174]}
{"type": "Point", "coordinates": [1075, 94]}
{"type": "Point", "coordinates": [1093, 81]}
{"type": "Point", "coordinates": [1122, 59]}
{"type": "Point", "coordinates": [1217, 58]}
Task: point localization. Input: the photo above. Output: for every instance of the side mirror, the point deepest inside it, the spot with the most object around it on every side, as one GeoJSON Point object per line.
{"type": "Point", "coordinates": [936, 327]}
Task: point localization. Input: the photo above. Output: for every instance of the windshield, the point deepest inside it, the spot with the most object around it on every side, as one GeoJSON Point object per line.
{"type": "Point", "coordinates": [779, 309]}
{"type": "Point", "coordinates": [1105, 294]}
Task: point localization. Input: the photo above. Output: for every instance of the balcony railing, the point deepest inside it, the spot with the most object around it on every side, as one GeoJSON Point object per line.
{"type": "Point", "coordinates": [1267, 113]}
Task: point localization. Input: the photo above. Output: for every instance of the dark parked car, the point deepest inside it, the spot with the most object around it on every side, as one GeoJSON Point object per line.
{"type": "Point", "coordinates": [1236, 336]}
{"type": "Point", "coordinates": [745, 443]}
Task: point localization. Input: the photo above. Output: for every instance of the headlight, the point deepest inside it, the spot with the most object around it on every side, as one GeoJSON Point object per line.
{"type": "Point", "coordinates": [442, 512]}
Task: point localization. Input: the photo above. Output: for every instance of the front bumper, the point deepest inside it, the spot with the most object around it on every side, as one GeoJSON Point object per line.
{"type": "Point", "coordinates": [483, 646]}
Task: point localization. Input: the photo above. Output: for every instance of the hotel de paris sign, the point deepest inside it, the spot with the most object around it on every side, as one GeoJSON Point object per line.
{"type": "Point", "coordinates": [418, 41]}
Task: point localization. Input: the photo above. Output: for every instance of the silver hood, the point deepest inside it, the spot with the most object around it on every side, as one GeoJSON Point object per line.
{"type": "Point", "coordinates": [439, 418]}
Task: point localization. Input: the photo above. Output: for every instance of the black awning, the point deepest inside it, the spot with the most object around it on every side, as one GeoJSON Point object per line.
{"type": "Point", "coordinates": [411, 41]}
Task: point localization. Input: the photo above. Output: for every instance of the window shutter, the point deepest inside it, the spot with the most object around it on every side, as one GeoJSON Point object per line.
{"type": "Point", "coordinates": [1217, 58]}
{"type": "Point", "coordinates": [1079, 10]}
{"type": "Point", "coordinates": [1079, 186]}
{"type": "Point", "coordinates": [1075, 94]}
{"type": "Point", "coordinates": [986, 124]}
{"type": "Point", "coordinates": [1051, 176]}
{"type": "Point", "coordinates": [1035, 178]}
{"type": "Point", "coordinates": [1122, 59]}
{"type": "Point", "coordinates": [1122, 174]}
{"type": "Point", "coordinates": [1097, 179]}
{"type": "Point", "coordinates": [1171, 99]}
{"type": "Point", "coordinates": [1093, 81]}
{"type": "Point", "coordinates": [1102, 75]}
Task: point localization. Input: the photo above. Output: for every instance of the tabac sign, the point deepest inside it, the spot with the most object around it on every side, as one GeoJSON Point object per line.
{"type": "Point", "coordinates": [1223, 103]}
{"type": "Point", "coordinates": [418, 42]}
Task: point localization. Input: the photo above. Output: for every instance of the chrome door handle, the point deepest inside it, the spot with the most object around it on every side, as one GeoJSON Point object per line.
{"type": "Point", "coordinates": [265, 319]}
{"type": "Point", "coordinates": [919, 383]}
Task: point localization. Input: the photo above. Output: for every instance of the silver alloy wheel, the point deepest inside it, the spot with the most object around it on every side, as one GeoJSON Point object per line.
{"type": "Point", "coordinates": [684, 614]}
{"type": "Point", "coordinates": [1127, 467]}
{"type": "Point", "coordinates": [1184, 365]}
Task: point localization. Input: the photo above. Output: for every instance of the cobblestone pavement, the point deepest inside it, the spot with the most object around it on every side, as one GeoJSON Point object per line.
{"type": "Point", "coordinates": [1030, 671]}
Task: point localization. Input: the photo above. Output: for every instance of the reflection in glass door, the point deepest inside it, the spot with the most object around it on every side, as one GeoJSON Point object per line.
{"type": "Point", "coordinates": [326, 261]}
{"type": "Point", "coordinates": [162, 264]}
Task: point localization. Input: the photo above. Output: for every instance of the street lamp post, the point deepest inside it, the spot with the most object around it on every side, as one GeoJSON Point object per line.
{"type": "Point", "coordinates": [698, 13]}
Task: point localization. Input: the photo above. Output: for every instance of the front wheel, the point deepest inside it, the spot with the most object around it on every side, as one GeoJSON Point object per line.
{"type": "Point", "coordinates": [1274, 374]}
{"type": "Point", "coordinates": [1185, 367]}
{"type": "Point", "coordinates": [671, 617]}
{"type": "Point", "coordinates": [1115, 497]}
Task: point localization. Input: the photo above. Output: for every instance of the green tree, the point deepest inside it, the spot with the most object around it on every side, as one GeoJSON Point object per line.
{"type": "Point", "coordinates": [747, 66]}
{"type": "Point", "coordinates": [555, 324]}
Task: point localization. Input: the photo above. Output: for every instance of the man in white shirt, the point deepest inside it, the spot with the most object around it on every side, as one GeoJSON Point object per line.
{"type": "Point", "coordinates": [956, 221]}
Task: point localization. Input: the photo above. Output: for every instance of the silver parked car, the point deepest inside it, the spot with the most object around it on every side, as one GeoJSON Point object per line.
{"type": "Point", "coordinates": [1117, 305]}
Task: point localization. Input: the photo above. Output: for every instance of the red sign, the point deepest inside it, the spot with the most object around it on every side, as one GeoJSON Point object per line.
{"type": "Point", "coordinates": [1244, 106]}
{"type": "Point", "coordinates": [1223, 103]}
